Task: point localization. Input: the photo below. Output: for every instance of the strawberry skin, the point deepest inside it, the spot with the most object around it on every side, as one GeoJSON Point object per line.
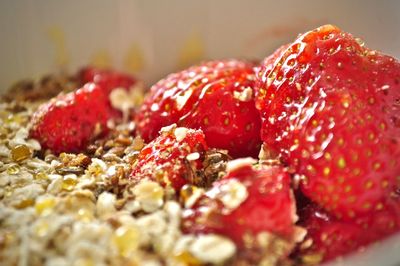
{"type": "Point", "coordinates": [106, 78]}
{"type": "Point", "coordinates": [329, 238]}
{"type": "Point", "coordinates": [330, 109]}
{"type": "Point", "coordinates": [268, 63]}
{"type": "Point", "coordinates": [69, 122]}
{"type": "Point", "coordinates": [243, 204]}
{"type": "Point", "coordinates": [167, 158]}
{"type": "Point", "coordinates": [215, 96]}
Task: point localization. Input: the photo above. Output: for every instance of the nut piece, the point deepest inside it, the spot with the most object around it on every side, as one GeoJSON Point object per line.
{"type": "Point", "coordinates": [190, 194]}
{"type": "Point", "coordinates": [56, 184]}
{"type": "Point", "coordinates": [168, 128]}
{"type": "Point", "coordinates": [212, 248]}
{"type": "Point", "coordinates": [180, 133]}
{"type": "Point", "coordinates": [244, 96]}
{"type": "Point", "coordinates": [153, 224]}
{"type": "Point", "coordinates": [193, 156]}
{"type": "Point", "coordinates": [105, 204]}
{"type": "Point", "coordinates": [126, 238]}
{"type": "Point", "coordinates": [97, 167]}
{"type": "Point", "coordinates": [239, 163]}
{"type": "Point", "coordinates": [149, 194]}
{"type": "Point", "coordinates": [120, 99]}
{"type": "Point", "coordinates": [232, 194]}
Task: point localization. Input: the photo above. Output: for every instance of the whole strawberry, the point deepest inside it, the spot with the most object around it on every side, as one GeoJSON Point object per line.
{"type": "Point", "coordinates": [253, 207]}
{"type": "Point", "coordinates": [268, 63]}
{"type": "Point", "coordinates": [69, 122]}
{"type": "Point", "coordinates": [328, 238]}
{"type": "Point", "coordinates": [215, 96]}
{"type": "Point", "coordinates": [330, 109]}
{"type": "Point", "coordinates": [175, 158]}
{"type": "Point", "coordinates": [106, 78]}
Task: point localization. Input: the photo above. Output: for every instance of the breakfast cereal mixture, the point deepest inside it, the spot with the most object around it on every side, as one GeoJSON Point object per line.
{"type": "Point", "coordinates": [79, 209]}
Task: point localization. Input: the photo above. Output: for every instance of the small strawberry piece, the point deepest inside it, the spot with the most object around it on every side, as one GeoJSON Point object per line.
{"type": "Point", "coordinates": [328, 237]}
{"type": "Point", "coordinates": [106, 78]}
{"type": "Point", "coordinates": [331, 109]}
{"type": "Point", "coordinates": [216, 97]}
{"type": "Point", "coordinates": [247, 205]}
{"type": "Point", "coordinates": [69, 122]}
{"type": "Point", "coordinates": [175, 158]}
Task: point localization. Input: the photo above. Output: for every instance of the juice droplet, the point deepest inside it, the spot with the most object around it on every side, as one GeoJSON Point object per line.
{"type": "Point", "coordinates": [41, 176]}
{"type": "Point", "coordinates": [42, 229]}
{"type": "Point", "coordinates": [24, 204]}
{"type": "Point", "coordinates": [20, 153]}
{"type": "Point", "coordinates": [187, 258]}
{"type": "Point", "coordinates": [126, 239]}
{"type": "Point", "coordinates": [85, 215]}
{"type": "Point", "coordinates": [13, 169]}
{"type": "Point", "coordinates": [69, 183]}
{"type": "Point", "coordinates": [45, 206]}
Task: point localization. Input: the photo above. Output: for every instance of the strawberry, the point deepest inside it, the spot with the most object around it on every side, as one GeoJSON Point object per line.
{"type": "Point", "coordinates": [175, 158]}
{"type": "Point", "coordinates": [328, 237]}
{"type": "Point", "coordinates": [266, 66]}
{"type": "Point", "coordinates": [106, 78]}
{"type": "Point", "coordinates": [216, 97]}
{"type": "Point", "coordinates": [330, 110]}
{"type": "Point", "coordinates": [268, 63]}
{"type": "Point", "coordinates": [70, 121]}
{"type": "Point", "coordinates": [246, 205]}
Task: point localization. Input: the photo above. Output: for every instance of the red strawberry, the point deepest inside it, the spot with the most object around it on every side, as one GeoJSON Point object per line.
{"type": "Point", "coordinates": [69, 122]}
{"type": "Point", "coordinates": [174, 158]}
{"type": "Point", "coordinates": [268, 63]}
{"type": "Point", "coordinates": [106, 78]}
{"type": "Point", "coordinates": [216, 97]}
{"type": "Point", "coordinates": [246, 204]}
{"type": "Point", "coordinates": [328, 237]}
{"type": "Point", "coordinates": [330, 109]}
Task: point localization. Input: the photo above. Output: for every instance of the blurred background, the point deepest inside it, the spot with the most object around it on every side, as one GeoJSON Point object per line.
{"type": "Point", "coordinates": [153, 38]}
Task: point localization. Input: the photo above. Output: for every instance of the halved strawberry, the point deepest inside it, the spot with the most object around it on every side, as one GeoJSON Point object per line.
{"type": "Point", "coordinates": [328, 237]}
{"type": "Point", "coordinates": [175, 158]}
{"type": "Point", "coordinates": [252, 206]}
{"type": "Point", "coordinates": [215, 96]}
{"type": "Point", "coordinates": [106, 78]}
{"type": "Point", "coordinates": [69, 122]}
{"type": "Point", "coordinates": [331, 110]}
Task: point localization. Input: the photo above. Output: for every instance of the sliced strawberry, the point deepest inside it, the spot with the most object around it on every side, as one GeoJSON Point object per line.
{"type": "Point", "coordinates": [328, 237]}
{"type": "Point", "coordinates": [216, 97]}
{"type": "Point", "coordinates": [175, 158]}
{"type": "Point", "coordinates": [106, 78]}
{"type": "Point", "coordinates": [246, 205]}
{"type": "Point", "coordinates": [69, 122]}
{"type": "Point", "coordinates": [330, 109]}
